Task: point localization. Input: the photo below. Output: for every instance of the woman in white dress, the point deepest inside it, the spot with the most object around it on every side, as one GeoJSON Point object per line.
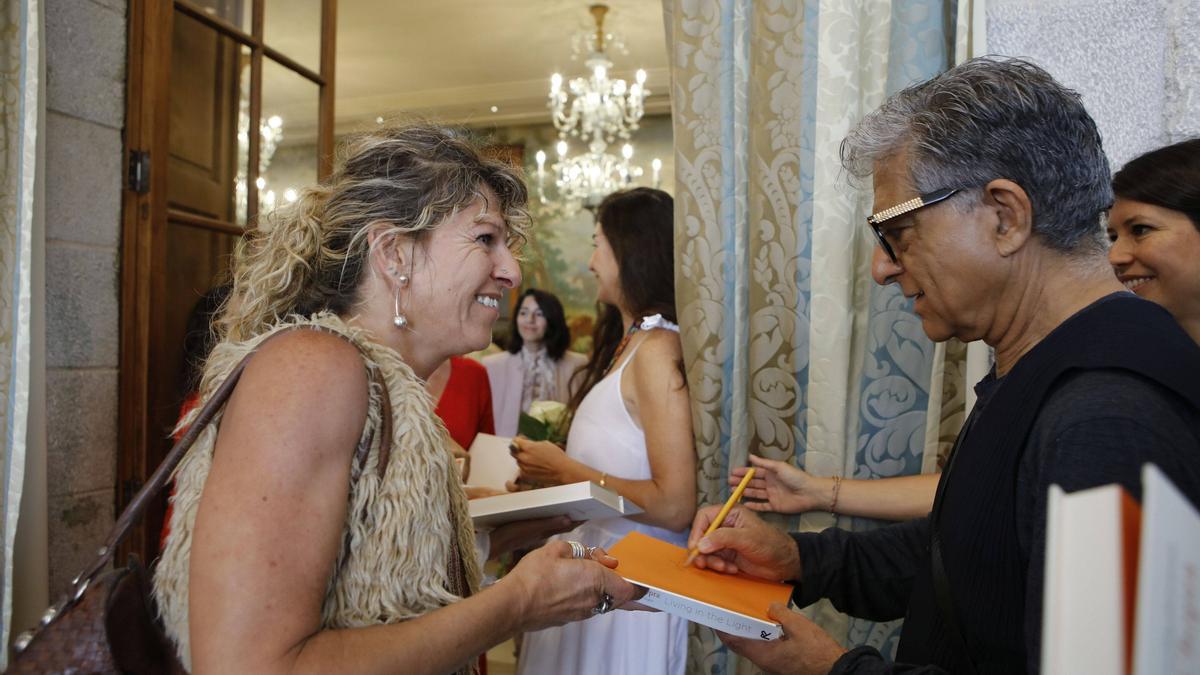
{"type": "Point", "coordinates": [631, 432]}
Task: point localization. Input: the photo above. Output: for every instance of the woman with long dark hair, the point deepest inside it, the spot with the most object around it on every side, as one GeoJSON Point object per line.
{"type": "Point", "coordinates": [536, 366]}
{"type": "Point", "coordinates": [631, 431]}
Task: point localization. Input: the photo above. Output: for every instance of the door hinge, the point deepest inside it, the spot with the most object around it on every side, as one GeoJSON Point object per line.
{"type": "Point", "coordinates": [139, 171]}
{"type": "Point", "coordinates": [129, 488]}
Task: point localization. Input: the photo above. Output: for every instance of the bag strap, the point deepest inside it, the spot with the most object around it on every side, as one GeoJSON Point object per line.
{"type": "Point", "coordinates": [158, 480]}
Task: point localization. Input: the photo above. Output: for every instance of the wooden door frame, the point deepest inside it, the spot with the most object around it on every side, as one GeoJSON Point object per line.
{"type": "Point", "coordinates": [145, 213]}
{"type": "Point", "coordinates": [146, 130]}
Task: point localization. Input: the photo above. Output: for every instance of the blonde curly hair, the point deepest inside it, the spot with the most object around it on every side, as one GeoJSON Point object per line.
{"type": "Point", "coordinates": [310, 255]}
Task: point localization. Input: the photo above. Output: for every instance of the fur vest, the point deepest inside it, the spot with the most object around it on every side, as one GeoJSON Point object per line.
{"type": "Point", "coordinates": [404, 531]}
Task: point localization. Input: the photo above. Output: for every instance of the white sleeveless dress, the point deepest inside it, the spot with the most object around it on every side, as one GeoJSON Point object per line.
{"type": "Point", "coordinates": [604, 436]}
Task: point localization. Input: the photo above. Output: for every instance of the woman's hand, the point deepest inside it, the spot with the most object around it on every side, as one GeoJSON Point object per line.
{"type": "Point", "coordinates": [541, 461]}
{"type": "Point", "coordinates": [557, 589]}
{"type": "Point", "coordinates": [462, 460]}
{"type": "Point", "coordinates": [780, 487]}
{"type": "Point", "coordinates": [527, 533]}
{"type": "Point", "coordinates": [480, 491]}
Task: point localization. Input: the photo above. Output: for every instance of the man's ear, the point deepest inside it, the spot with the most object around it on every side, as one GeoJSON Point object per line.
{"type": "Point", "coordinates": [1014, 214]}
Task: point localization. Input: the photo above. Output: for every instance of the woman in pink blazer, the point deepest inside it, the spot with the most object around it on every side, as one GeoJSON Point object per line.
{"type": "Point", "coordinates": [537, 365]}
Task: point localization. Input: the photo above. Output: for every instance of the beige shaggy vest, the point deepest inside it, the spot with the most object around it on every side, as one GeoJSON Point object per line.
{"type": "Point", "coordinates": [401, 529]}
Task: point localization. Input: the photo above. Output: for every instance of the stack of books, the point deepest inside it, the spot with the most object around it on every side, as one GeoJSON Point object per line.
{"type": "Point", "coordinates": [1122, 583]}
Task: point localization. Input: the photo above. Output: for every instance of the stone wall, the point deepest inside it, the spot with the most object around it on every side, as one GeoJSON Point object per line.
{"type": "Point", "coordinates": [85, 101]}
{"type": "Point", "coordinates": [1136, 64]}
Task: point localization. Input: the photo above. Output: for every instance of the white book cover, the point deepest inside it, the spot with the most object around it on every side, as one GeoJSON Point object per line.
{"type": "Point", "coordinates": [1083, 608]}
{"type": "Point", "coordinates": [492, 463]}
{"type": "Point", "coordinates": [717, 618]}
{"type": "Point", "coordinates": [1167, 640]}
{"type": "Point", "coordinates": [579, 501]}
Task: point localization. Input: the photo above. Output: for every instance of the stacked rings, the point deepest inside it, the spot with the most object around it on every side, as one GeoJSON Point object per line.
{"type": "Point", "coordinates": [578, 550]}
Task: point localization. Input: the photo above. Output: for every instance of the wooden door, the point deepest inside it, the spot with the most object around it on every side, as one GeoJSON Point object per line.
{"type": "Point", "coordinates": [198, 177]}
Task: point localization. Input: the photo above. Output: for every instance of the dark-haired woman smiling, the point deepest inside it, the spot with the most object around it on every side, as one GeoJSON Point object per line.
{"type": "Point", "coordinates": [536, 365]}
{"type": "Point", "coordinates": [631, 432]}
{"type": "Point", "coordinates": [1154, 226]}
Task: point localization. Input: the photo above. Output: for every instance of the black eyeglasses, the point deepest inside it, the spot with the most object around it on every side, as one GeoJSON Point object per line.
{"type": "Point", "coordinates": [920, 202]}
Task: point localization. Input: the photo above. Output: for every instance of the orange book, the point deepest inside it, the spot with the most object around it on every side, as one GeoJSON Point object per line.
{"type": "Point", "coordinates": [731, 603]}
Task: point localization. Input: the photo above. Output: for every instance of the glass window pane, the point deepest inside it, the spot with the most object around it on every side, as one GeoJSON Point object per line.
{"type": "Point", "coordinates": [294, 28]}
{"type": "Point", "coordinates": [288, 160]}
{"type": "Point", "coordinates": [236, 12]}
{"type": "Point", "coordinates": [208, 110]}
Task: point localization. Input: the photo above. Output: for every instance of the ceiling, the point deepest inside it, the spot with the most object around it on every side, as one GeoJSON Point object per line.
{"type": "Point", "coordinates": [453, 60]}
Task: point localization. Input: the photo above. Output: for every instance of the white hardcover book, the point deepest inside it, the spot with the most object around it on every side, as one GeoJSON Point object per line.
{"type": "Point", "coordinates": [1167, 639]}
{"type": "Point", "coordinates": [492, 463]}
{"type": "Point", "coordinates": [1083, 608]}
{"type": "Point", "coordinates": [578, 501]}
{"type": "Point", "coordinates": [705, 614]}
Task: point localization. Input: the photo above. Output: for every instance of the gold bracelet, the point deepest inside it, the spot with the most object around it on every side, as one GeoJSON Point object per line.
{"type": "Point", "coordinates": [837, 485]}
{"type": "Point", "coordinates": [603, 479]}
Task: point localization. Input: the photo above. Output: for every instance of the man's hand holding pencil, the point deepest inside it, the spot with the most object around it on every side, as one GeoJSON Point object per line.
{"type": "Point", "coordinates": [743, 543]}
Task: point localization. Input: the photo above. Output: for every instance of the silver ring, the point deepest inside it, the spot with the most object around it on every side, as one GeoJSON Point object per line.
{"type": "Point", "coordinates": [578, 550]}
{"type": "Point", "coordinates": [591, 550]}
{"type": "Point", "coordinates": [605, 606]}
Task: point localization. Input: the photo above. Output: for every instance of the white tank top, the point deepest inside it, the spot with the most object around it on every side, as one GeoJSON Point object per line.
{"type": "Point", "coordinates": [604, 436]}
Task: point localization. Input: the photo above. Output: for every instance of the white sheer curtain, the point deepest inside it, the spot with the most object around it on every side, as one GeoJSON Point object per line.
{"type": "Point", "coordinates": [19, 63]}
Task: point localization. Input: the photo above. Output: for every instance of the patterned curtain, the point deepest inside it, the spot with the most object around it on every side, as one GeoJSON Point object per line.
{"type": "Point", "coordinates": [790, 346]}
{"type": "Point", "coordinates": [19, 62]}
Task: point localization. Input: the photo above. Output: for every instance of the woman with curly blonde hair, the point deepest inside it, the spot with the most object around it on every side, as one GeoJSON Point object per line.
{"type": "Point", "coordinates": [319, 524]}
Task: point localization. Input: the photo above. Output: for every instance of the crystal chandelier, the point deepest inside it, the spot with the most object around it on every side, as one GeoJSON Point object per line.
{"type": "Point", "coordinates": [271, 132]}
{"type": "Point", "coordinates": [597, 110]}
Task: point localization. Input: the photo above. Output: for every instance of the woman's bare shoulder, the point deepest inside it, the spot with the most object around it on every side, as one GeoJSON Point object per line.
{"type": "Point", "coordinates": [312, 381]}
{"type": "Point", "coordinates": [657, 360]}
{"type": "Point", "coordinates": [313, 354]}
{"type": "Point", "coordinates": [661, 343]}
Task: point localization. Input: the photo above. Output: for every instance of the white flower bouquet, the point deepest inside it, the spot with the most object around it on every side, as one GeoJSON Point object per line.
{"type": "Point", "coordinates": [545, 421]}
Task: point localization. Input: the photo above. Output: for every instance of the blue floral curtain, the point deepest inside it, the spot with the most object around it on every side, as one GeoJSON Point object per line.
{"type": "Point", "coordinates": [789, 345]}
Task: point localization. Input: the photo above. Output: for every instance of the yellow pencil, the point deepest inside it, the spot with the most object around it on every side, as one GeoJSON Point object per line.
{"type": "Point", "coordinates": [733, 499]}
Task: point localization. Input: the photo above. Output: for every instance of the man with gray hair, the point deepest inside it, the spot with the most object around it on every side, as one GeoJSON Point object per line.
{"type": "Point", "coordinates": [989, 184]}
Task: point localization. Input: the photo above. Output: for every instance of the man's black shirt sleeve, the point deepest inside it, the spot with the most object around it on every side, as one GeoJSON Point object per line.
{"type": "Point", "coordinates": [864, 574]}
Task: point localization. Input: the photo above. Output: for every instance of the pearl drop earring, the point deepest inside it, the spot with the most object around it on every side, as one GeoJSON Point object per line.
{"type": "Point", "coordinates": [399, 320]}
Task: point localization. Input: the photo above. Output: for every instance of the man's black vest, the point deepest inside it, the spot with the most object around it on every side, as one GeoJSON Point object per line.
{"type": "Point", "coordinates": [977, 503]}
